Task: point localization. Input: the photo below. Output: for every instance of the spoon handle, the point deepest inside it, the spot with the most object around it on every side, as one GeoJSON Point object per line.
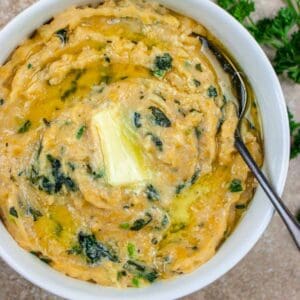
{"type": "Point", "coordinates": [289, 220]}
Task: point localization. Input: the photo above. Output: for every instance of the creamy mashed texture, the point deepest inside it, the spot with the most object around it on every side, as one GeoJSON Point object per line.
{"type": "Point", "coordinates": [116, 145]}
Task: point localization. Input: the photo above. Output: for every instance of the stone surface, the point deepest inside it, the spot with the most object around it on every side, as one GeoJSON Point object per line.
{"type": "Point", "coordinates": [272, 268]}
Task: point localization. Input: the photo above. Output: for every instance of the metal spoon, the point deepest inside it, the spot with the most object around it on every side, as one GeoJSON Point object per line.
{"type": "Point", "coordinates": [242, 97]}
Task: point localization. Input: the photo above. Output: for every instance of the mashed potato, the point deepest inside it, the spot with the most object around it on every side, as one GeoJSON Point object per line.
{"type": "Point", "coordinates": [117, 156]}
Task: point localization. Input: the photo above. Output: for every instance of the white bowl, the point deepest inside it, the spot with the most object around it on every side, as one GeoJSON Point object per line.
{"type": "Point", "coordinates": [276, 142]}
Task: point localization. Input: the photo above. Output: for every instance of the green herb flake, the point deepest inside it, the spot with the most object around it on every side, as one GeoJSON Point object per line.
{"type": "Point", "coordinates": [160, 118]}
{"type": "Point", "coordinates": [162, 64]}
{"type": "Point", "coordinates": [131, 250]}
{"type": "Point", "coordinates": [121, 274]}
{"type": "Point", "coordinates": [156, 141]}
{"type": "Point", "coordinates": [236, 186]}
{"type": "Point", "coordinates": [124, 225]}
{"type": "Point", "coordinates": [135, 282]}
{"type": "Point", "coordinates": [62, 34]}
{"type": "Point", "coordinates": [141, 271]}
{"type": "Point", "coordinates": [25, 127]}
{"type": "Point", "coordinates": [13, 212]}
{"type": "Point", "coordinates": [29, 66]}
{"type": "Point", "coordinates": [152, 193]}
{"type": "Point", "coordinates": [36, 214]}
{"type": "Point", "coordinates": [240, 206]}
{"type": "Point", "coordinates": [1, 101]}
{"type": "Point", "coordinates": [198, 67]}
{"type": "Point", "coordinates": [212, 92]}
{"type": "Point", "coordinates": [196, 82]}
{"type": "Point", "coordinates": [141, 223]}
{"type": "Point", "coordinates": [43, 258]}
{"type": "Point", "coordinates": [137, 120]}
{"type": "Point", "coordinates": [80, 132]}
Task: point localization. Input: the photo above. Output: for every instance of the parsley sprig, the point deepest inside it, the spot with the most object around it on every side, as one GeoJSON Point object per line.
{"type": "Point", "coordinates": [280, 33]}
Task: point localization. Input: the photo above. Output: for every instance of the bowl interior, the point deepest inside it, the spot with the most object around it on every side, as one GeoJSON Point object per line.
{"type": "Point", "coordinates": [276, 142]}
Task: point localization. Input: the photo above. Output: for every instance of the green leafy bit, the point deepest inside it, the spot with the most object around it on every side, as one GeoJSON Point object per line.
{"type": "Point", "coordinates": [156, 141]}
{"type": "Point", "coordinates": [58, 229]}
{"type": "Point", "coordinates": [140, 270]}
{"type": "Point", "coordinates": [1, 101]}
{"type": "Point", "coordinates": [131, 250]}
{"type": "Point", "coordinates": [124, 225]}
{"type": "Point", "coordinates": [43, 258]}
{"type": "Point", "coordinates": [240, 9]}
{"type": "Point", "coordinates": [295, 136]}
{"type": "Point", "coordinates": [195, 176]}
{"type": "Point", "coordinates": [152, 193]}
{"type": "Point", "coordinates": [29, 66]}
{"type": "Point", "coordinates": [95, 174]}
{"type": "Point", "coordinates": [162, 64]}
{"type": "Point", "coordinates": [63, 35]}
{"type": "Point", "coordinates": [177, 227]}
{"type": "Point", "coordinates": [25, 127]}
{"type": "Point", "coordinates": [165, 221]}
{"type": "Point", "coordinates": [94, 250]}
{"type": "Point", "coordinates": [80, 132]}
{"type": "Point", "coordinates": [13, 212]}
{"type": "Point", "coordinates": [36, 214]}
{"type": "Point", "coordinates": [135, 282]}
{"type": "Point", "coordinates": [141, 223]}
{"type": "Point", "coordinates": [196, 82]}
{"type": "Point", "coordinates": [240, 206]}
{"type": "Point", "coordinates": [235, 186]}
{"type": "Point", "coordinates": [76, 249]}
{"type": "Point", "coordinates": [212, 92]}
{"type": "Point", "coordinates": [198, 67]}
{"type": "Point", "coordinates": [277, 33]}
{"type": "Point", "coordinates": [137, 120]}
{"type": "Point", "coordinates": [121, 274]}
{"type": "Point", "coordinates": [179, 188]}
{"type": "Point", "coordinates": [160, 118]}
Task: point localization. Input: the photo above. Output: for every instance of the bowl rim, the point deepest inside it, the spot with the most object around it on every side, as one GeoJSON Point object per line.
{"type": "Point", "coordinates": [59, 284]}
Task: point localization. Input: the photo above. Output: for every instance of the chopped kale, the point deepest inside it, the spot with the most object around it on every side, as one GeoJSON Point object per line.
{"type": "Point", "coordinates": [63, 35]}
{"type": "Point", "coordinates": [179, 188]}
{"type": "Point", "coordinates": [162, 64]}
{"type": "Point", "coordinates": [13, 212]}
{"type": "Point", "coordinates": [95, 174]}
{"type": "Point", "coordinates": [156, 141]}
{"type": "Point", "coordinates": [198, 132]}
{"type": "Point", "coordinates": [196, 82]}
{"type": "Point", "coordinates": [137, 120]}
{"type": "Point", "coordinates": [121, 274]}
{"type": "Point", "coordinates": [160, 118]}
{"type": "Point", "coordinates": [195, 176]}
{"type": "Point", "coordinates": [29, 66]}
{"type": "Point", "coordinates": [140, 270]}
{"type": "Point", "coordinates": [141, 223]}
{"type": "Point", "coordinates": [46, 122]}
{"type": "Point", "coordinates": [165, 221]}
{"type": "Point", "coordinates": [70, 184]}
{"type": "Point", "coordinates": [95, 250]}
{"type": "Point", "coordinates": [36, 214]}
{"type": "Point", "coordinates": [152, 193]}
{"type": "Point", "coordinates": [25, 127]}
{"type": "Point", "coordinates": [72, 90]}
{"type": "Point", "coordinates": [198, 67]}
{"type": "Point", "coordinates": [212, 92]}
{"type": "Point", "coordinates": [235, 186]}
{"type": "Point", "coordinates": [240, 206]}
{"type": "Point", "coordinates": [80, 132]}
{"type": "Point", "coordinates": [43, 258]}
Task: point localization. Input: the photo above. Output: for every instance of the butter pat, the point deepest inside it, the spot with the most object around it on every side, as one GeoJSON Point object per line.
{"type": "Point", "coordinates": [123, 157]}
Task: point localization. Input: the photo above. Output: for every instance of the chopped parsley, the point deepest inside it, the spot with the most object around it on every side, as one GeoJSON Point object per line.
{"type": "Point", "coordinates": [137, 120]}
{"type": "Point", "coordinates": [141, 223]}
{"type": "Point", "coordinates": [196, 82]}
{"type": "Point", "coordinates": [198, 67]}
{"type": "Point", "coordinates": [36, 214]}
{"type": "Point", "coordinates": [295, 136]}
{"type": "Point", "coordinates": [152, 193]}
{"type": "Point", "coordinates": [1, 101]}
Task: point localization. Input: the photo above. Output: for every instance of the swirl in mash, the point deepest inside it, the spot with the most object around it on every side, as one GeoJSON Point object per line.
{"type": "Point", "coordinates": [117, 156]}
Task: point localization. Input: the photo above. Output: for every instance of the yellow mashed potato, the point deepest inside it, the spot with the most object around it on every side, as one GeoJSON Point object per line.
{"type": "Point", "coordinates": [116, 146]}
